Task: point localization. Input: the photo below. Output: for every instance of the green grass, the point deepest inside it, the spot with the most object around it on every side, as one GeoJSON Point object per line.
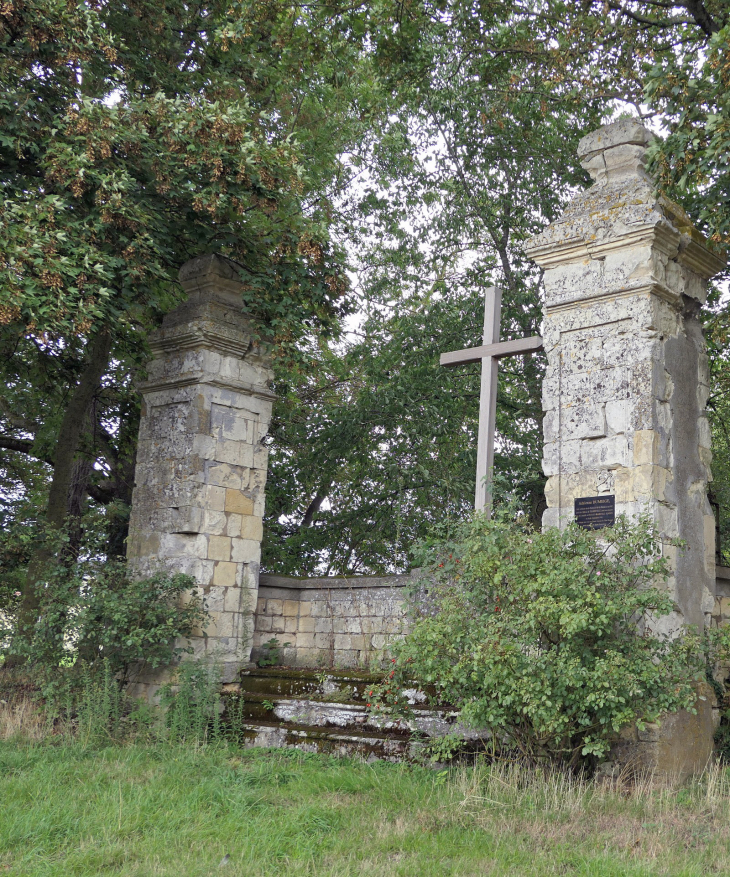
{"type": "Point", "coordinates": [77, 810]}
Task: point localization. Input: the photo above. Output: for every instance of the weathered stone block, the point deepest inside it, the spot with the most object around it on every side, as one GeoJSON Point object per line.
{"type": "Point", "coordinates": [645, 445]}
{"type": "Point", "coordinates": [245, 550]}
{"type": "Point", "coordinates": [305, 641]}
{"type": "Point", "coordinates": [232, 601]}
{"type": "Point", "coordinates": [233, 524]}
{"type": "Point", "coordinates": [224, 475]}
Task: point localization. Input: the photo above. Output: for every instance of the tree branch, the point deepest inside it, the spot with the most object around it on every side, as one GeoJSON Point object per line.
{"type": "Point", "coordinates": [23, 446]}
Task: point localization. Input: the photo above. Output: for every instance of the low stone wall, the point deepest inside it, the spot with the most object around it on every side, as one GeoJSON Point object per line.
{"type": "Point", "coordinates": [330, 622]}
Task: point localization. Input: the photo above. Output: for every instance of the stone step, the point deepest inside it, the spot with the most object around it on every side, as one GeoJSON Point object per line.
{"type": "Point", "coordinates": [328, 740]}
{"type": "Point", "coordinates": [292, 682]}
{"type": "Point", "coordinates": [319, 711]}
{"type": "Point", "coordinates": [327, 711]}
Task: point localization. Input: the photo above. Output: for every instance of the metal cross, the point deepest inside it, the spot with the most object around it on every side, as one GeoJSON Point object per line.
{"type": "Point", "coordinates": [489, 354]}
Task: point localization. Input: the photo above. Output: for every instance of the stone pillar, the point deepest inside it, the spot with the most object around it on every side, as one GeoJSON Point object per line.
{"type": "Point", "coordinates": [627, 380]}
{"type": "Point", "coordinates": [198, 499]}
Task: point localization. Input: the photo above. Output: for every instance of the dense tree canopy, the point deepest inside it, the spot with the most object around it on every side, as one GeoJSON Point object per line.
{"type": "Point", "coordinates": [382, 159]}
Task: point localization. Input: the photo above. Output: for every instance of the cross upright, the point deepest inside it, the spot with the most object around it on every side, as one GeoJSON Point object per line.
{"type": "Point", "coordinates": [489, 354]}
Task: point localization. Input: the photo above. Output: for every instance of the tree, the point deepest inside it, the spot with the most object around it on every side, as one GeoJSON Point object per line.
{"type": "Point", "coordinates": [379, 442]}
{"type": "Point", "coordinates": [488, 103]}
{"type": "Point", "coordinates": [135, 136]}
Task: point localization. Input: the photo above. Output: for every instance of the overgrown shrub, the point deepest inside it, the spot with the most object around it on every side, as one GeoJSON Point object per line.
{"type": "Point", "coordinates": [109, 619]}
{"type": "Point", "coordinates": [548, 641]}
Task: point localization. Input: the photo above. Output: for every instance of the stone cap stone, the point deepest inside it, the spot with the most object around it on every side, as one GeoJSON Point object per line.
{"type": "Point", "coordinates": [616, 152]}
{"type": "Point", "coordinates": [212, 275]}
{"type": "Point", "coordinates": [625, 132]}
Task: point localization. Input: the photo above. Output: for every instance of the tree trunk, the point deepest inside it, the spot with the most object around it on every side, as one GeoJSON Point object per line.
{"type": "Point", "coordinates": [75, 420]}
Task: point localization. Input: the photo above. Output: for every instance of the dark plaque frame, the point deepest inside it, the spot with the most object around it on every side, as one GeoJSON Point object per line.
{"type": "Point", "coordinates": [595, 512]}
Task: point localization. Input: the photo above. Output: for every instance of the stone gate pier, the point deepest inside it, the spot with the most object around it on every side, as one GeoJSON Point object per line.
{"type": "Point", "coordinates": [627, 380]}
{"type": "Point", "coordinates": [198, 499]}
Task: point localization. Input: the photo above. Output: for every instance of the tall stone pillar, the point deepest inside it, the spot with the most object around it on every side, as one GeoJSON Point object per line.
{"type": "Point", "coordinates": [625, 390]}
{"type": "Point", "coordinates": [627, 380]}
{"type": "Point", "coordinates": [198, 499]}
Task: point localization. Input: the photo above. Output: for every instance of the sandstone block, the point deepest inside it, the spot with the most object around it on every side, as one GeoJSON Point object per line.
{"type": "Point", "coordinates": [183, 545]}
{"type": "Point", "coordinates": [263, 623]}
{"type": "Point", "coordinates": [234, 453]}
{"type": "Point", "coordinates": [236, 501]}
{"type": "Point", "coordinates": [274, 607]}
{"type": "Point", "coordinates": [645, 444]}
{"type": "Point", "coordinates": [305, 640]}
{"type": "Point", "coordinates": [214, 599]}
{"type": "Point", "coordinates": [224, 475]}
{"type": "Point", "coordinates": [224, 573]}
{"type": "Point", "coordinates": [219, 548]}
{"type": "Point", "coordinates": [306, 625]}
{"type": "Point", "coordinates": [305, 608]}
{"type": "Point", "coordinates": [291, 607]}
{"type": "Point", "coordinates": [252, 528]}
{"type": "Point", "coordinates": [617, 416]}
{"type": "Point", "coordinates": [604, 453]}
{"type": "Point", "coordinates": [228, 423]}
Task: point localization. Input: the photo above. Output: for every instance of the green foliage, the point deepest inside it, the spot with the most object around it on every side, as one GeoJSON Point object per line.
{"type": "Point", "coordinates": [717, 333]}
{"type": "Point", "coordinates": [123, 154]}
{"type": "Point", "coordinates": [550, 641]}
{"type": "Point", "coordinates": [109, 620]}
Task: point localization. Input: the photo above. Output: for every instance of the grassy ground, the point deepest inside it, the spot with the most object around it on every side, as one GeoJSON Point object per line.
{"type": "Point", "coordinates": [190, 811]}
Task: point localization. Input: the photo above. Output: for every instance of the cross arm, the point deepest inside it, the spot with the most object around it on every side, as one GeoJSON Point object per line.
{"type": "Point", "coordinates": [498, 351]}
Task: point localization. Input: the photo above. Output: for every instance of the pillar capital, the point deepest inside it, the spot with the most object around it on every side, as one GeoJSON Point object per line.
{"type": "Point", "coordinates": [619, 237]}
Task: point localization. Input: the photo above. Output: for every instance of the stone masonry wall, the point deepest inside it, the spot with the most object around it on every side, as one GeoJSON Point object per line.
{"type": "Point", "coordinates": [627, 380]}
{"type": "Point", "coordinates": [198, 500]}
{"type": "Point", "coordinates": [330, 622]}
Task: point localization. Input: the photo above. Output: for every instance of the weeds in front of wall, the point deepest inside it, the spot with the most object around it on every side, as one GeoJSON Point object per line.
{"type": "Point", "coordinates": [271, 653]}
{"type": "Point", "coordinates": [92, 707]}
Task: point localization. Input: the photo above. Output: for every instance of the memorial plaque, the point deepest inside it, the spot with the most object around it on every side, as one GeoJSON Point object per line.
{"type": "Point", "coordinates": [595, 512]}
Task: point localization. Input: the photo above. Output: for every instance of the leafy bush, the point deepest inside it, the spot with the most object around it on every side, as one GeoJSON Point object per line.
{"type": "Point", "coordinates": [110, 620]}
{"type": "Point", "coordinates": [548, 641]}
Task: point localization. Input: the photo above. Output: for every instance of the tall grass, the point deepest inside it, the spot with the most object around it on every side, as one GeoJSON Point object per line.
{"type": "Point", "coordinates": [199, 810]}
